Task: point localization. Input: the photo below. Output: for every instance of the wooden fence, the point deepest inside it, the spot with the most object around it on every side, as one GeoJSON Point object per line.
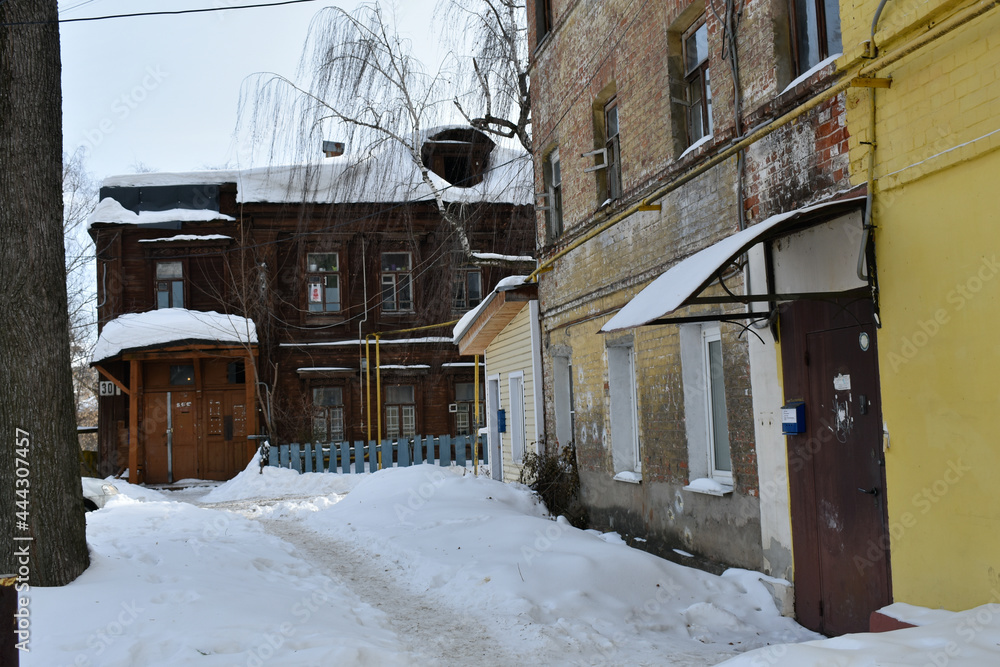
{"type": "Point", "coordinates": [362, 456]}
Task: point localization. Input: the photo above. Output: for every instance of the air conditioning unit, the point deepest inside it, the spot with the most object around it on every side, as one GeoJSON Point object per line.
{"type": "Point", "coordinates": [453, 407]}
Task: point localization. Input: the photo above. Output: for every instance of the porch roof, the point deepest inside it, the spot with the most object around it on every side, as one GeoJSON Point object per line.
{"type": "Point", "coordinates": [171, 327]}
{"type": "Point", "coordinates": [477, 329]}
{"type": "Point", "coordinates": [681, 284]}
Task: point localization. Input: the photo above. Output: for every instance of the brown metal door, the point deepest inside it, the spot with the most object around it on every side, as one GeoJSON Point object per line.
{"type": "Point", "coordinates": [226, 433]}
{"type": "Point", "coordinates": [849, 477]}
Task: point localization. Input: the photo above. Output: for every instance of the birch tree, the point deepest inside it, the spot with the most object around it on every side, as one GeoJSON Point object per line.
{"type": "Point", "coordinates": [358, 74]}
{"type": "Point", "coordinates": [41, 517]}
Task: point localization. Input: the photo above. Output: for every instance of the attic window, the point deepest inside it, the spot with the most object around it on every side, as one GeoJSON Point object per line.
{"type": "Point", "coordinates": [459, 155]}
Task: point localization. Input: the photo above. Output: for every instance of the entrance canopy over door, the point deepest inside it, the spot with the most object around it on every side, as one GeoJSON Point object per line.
{"type": "Point", "coordinates": [808, 253]}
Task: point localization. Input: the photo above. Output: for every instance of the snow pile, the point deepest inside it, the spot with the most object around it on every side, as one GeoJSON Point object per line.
{"type": "Point", "coordinates": [964, 639]}
{"type": "Point", "coordinates": [172, 584]}
{"type": "Point", "coordinates": [273, 483]}
{"type": "Point", "coordinates": [134, 331]}
{"type": "Point", "coordinates": [488, 548]}
{"type": "Point", "coordinates": [189, 237]}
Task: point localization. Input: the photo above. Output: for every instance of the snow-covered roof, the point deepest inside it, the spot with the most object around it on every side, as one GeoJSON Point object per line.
{"type": "Point", "coordinates": [689, 276]}
{"type": "Point", "coordinates": [388, 175]}
{"type": "Point", "coordinates": [136, 331]}
{"type": "Point", "coordinates": [109, 210]}
{"type": "Point", "coordinates": [190, 237]}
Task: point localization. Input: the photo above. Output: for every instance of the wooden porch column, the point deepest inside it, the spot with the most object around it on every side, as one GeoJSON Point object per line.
{"type": "Point", "coordinates": [135, 383]}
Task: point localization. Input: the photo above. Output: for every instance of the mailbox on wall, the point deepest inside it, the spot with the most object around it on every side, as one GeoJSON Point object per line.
{"type": "Point", "coordinates": [501, 421]}
{"type": "Point", "coordinates": [793, 417]}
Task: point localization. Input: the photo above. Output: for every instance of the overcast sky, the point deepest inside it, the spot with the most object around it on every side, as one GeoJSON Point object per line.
{"type": "Point", "coordinates": [163, 91]}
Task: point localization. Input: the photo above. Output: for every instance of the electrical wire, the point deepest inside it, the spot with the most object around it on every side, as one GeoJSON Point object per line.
{"type": "Point", "coordinates": [176, 12]}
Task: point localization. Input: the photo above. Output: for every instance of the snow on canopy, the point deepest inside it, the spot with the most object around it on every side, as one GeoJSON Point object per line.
{"type": "Point", "coordinates": [388, 174]}
{"type": "Point", "coordinates": [466, 321]}
{"type": "Point", "coordinates": [134, 331]}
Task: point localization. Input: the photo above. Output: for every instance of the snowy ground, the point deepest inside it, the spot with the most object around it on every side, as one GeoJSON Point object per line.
{"type": "Point", "coordinates": [424, 566]}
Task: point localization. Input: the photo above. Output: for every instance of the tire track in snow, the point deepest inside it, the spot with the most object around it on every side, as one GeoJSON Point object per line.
{"type": "Point", "coordinates": [431, 633]}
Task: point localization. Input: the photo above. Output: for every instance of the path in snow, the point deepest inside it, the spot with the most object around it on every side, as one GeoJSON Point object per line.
{"type": "Point", "coordinates": [431, 632]}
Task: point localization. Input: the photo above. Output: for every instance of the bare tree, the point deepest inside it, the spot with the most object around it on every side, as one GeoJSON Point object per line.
{"type": "Point", "coordinates": [358, 75]}
{"type": "Point", "coordinates": [79, 200]}
{"type": "Point", "coordinates": [41, 517]}
{"type": "Point", "coordinates": [493, 85]}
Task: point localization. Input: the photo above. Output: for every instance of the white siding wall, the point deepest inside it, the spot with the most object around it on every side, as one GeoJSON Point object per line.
{"type": "Point", "coordinates": [510, 352]}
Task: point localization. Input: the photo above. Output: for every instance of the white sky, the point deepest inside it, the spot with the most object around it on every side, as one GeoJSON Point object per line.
{"type": "Point", "coordinates": [163, 90]}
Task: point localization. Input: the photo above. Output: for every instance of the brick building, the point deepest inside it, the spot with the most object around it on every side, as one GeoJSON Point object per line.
{"type": "Point", "coordinates": [319, 260]}
{"type": "Point", "coordinates": [675, 131]}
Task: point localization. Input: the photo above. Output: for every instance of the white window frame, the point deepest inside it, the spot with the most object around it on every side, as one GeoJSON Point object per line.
{"type": "Point", "coordinates": [698, 414]}
{"type": "Point", "coordinates": [714, 335]}
{"type": "Point", "coordinates": [624, 409]}
{"type": "Point", "coordinates": [515, 419]}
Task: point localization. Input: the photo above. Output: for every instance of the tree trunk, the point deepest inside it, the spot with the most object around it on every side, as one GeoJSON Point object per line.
{"type": "Point", "coordinates": [41, 512]}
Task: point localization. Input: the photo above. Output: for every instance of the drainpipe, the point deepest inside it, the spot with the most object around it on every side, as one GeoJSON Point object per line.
{"type": "Point", "coordinates": [170, 439]}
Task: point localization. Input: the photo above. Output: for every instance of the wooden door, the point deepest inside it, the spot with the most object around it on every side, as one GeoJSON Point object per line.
{"type": "Point", "coordinates": [154, 437]}
{"type": "Point", "coordinates": [184, 435]}
{"type": "Point", "coordinates": [225, 433]}
{"type": "Point", "coordinates": [837, 471]}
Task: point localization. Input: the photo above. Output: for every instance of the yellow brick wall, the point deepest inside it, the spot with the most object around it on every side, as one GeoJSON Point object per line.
{"type": "Point", "coordinates": [938, 233]}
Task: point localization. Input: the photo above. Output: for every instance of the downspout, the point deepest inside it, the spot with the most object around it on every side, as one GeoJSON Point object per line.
{"type": "Point", "coordinates": [170, 439]}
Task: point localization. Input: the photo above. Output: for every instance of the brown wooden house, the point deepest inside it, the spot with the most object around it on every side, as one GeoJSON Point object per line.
{"type": "Point", "coordinates": [344, 271]}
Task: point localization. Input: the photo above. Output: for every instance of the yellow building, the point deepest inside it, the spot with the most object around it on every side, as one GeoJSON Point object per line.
{"type": "Point", "coordinates": [935, 169]}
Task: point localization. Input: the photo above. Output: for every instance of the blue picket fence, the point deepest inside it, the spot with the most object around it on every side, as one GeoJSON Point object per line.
{"type": "Point", "coordinates": [361, 456]}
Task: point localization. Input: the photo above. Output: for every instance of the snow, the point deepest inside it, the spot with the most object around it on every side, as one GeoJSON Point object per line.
{"type": "Point", "coordinates": [388, 175]}
{"type": "Point", "coordinates": [109, 210]}
{"type": "Point", "coordinates": [669, 291]}
{"type": "Point", "coordinates": [710, 486]}
{"type": "Point", "coordinates": [693, 147]}
{"type": "Point", "coordinates": [821, 65]}
{"type": "Point", "coordinates": [504, 258]}
{"type": "Point", "coordinates": [171, 325]}
{"type": "Point", "coordinates": [189, 237]}
{"type": "Point", "coordinates": [629, 476]}
{"type": "Point", "coordinates": [419, 565]}
{"type": "Point", "coordinates": [316, 369]}
{"type": "Point", "coordinates": [382, 341]}
{"type": "Point", "coordinates": [468, 318]}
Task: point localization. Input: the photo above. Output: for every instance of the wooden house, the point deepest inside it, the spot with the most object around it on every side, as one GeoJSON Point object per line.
{"type": "Point", "coordinates": [349, 275]}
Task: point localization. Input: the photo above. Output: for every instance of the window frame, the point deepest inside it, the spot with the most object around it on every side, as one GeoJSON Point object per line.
{"type": "Point", "coordinates": [398, 411]}
{"type": "Point", "coordinates": [552, 182]}
{"type": "Point", "coordinates": [623, 395]}
{"type": "Point", "coordinates": [697, 75]}
{"type": "Point", "coordinates": [800, 61]}
{"type": "Point", "coordinates": [330, 414]}
{"type": "Point", "coordinates": [516, 424]}
{"type": "Point", "coordinates": [612, 147]}
{"type": "Point", "coordinates": [397, 280]}
{"type": "Point", "coordinates": [467, 407]}
{"type": "Point", "coordinates": [710, 335]}
{"type": "Point", "coordinates": [543, 20]}
{"type": "Point", "coordinates": [321, 277]}
{"type": "Point", "coordinates": [177, 286]}
{"type": "Point", "coordinates": [460, 278]}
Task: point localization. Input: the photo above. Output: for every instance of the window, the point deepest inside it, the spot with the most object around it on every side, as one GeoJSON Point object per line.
{"type": "Point", "coordinates": [815, 32]}
{"type": "Point", "coordinates": [181, 374]}
{"type": "Point", "coordinates": [515, 385]}
{"type": "Point", "coordinates": [624, 416]}
{"type": "Point", "coordinates": [323, 281]}
{"type": "Point", "coordinates": [236, 372]}
{"type": "Point", "coordinates": [562, 395]}
{"type": "Point", "coordinates": [465, 403]}
{"type": "Point", "coordinates": [169, 285]}
{"type": "Point", "coordinates": [705, 403]}
{"type": "Point", "coordinates": [400, 412]}
{"type": "Point", "coordinates": [397, 288]}
{"type": "Point", "coordinates": [552, 177]}
{"type": "Point", "coordinates": [543, 19]}
{"type": "Point", "coordinates": [467, 289]}
{"type": "Point", "coordinates": [328, 414]}
{"type": "Point", "coordinates": [613, 150]}
{"type": "Point", "coordinates": [697, 89]}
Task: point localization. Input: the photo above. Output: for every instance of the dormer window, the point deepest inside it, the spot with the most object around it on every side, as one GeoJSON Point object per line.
{"type": "Point", "coordinates": [459, 155]}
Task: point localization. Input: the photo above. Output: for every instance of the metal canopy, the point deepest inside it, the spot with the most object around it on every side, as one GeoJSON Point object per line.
{"type": "Point", "coordinates": [680, 285]}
